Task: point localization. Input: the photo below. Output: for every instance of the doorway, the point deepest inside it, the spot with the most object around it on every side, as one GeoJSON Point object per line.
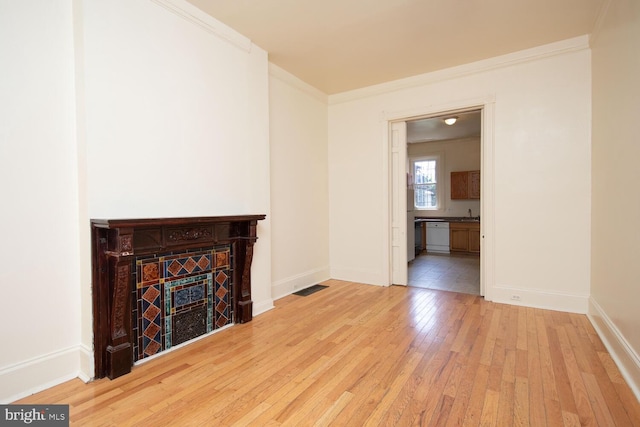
{"type": "Point", "coordinates": [443, 152]}
{"type": "Point", "coordinates": [398, 168]}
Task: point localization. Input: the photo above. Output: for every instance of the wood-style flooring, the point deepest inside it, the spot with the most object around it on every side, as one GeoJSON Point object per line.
{"type": "Point", "coordinates": [356, 355]}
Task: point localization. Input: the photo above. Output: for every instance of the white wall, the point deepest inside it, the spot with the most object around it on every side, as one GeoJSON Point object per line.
{"type": "Point", "coordinates": [299, 183]}
{"type": "Point", "coordinates": [541, 157]}
{"type": "Point", "coordinates": [615, 271]}
{"type": "Point", "coordinates": [168, 127]}
{"type": "Point", "coordinates": [173, 118]}
{"type": "Point", "coordinates": [456, 155]}
{"type": "Point", "coordinates": [40, 313]}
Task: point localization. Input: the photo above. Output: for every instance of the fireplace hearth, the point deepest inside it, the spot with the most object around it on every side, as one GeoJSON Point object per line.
{"type": "Point", "coordinates": [161, 282]}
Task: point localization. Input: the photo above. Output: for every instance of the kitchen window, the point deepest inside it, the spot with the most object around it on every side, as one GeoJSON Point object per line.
{"type": "Point", "coordinates": [426, 183]}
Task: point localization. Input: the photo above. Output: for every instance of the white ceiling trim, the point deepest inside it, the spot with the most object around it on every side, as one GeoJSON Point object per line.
{"type": "Point", "coordinates": [597, 27]}
{"type": "Point", "coordinates": [205, 21]}
{"type": "Point", "coordinates": [288, 78]}
{"type": "Point", "coordinates": [552, 49]}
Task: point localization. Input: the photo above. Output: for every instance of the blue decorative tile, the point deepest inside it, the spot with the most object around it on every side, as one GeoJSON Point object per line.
{"type": "Point", "coordinates": [175, 289]}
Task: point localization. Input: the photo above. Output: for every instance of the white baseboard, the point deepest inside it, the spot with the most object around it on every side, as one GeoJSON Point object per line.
{"type": "Point", "coordinates": [87, 366]}
{"type": "Point", "coordinates": [621, 351]}
{"type": "Point", "coordinates": [289, 285]}
{"type": "Point", "coordinates": [359, 276]}
{"type": "Point", "coordinates": [540, 299]}
{"type": "Point", "coordinates": [262, 306]}
{"type": "Point", "coordinates": [39, 373]}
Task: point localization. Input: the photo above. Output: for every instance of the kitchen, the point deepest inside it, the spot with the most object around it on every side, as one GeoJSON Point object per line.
{"type": "Point", "coordinates": [443, 202]}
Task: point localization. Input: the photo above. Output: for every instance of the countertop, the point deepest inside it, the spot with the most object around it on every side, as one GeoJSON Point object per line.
{"type": "Point", "coordinates": [447, 219]}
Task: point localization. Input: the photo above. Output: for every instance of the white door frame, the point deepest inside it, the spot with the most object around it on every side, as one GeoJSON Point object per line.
{"type": "Point", "coordinates": [398, 202]}
{"type": "Point", "coordinates": [392, 174]}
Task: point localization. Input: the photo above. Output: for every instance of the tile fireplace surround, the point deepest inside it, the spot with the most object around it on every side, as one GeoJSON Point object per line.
{"type": "Point", "coordinates": [160, 282]}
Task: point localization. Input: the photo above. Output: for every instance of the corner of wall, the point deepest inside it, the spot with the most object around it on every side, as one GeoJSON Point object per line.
{"type": "Point", "coordinates": [366, 277]}
{"type": "Point", "coordinates": [87, 367]}
{"type": "Point", "coordinates": [262, 307]}
{"type": "Point", "coordinates": [40, 373]}
{"type": "Point", "coordinates": [207, 22]}
{"type": "Point", "coordinates": [622, 353]}
{"type": "Point", "coordinates": [599, 21]}
{"type": "Point", "coordinates": [282, 75]}
{"type": "Point", "coordinates": [292, 284]}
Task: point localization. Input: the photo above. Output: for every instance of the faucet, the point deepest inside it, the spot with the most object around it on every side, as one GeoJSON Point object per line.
{"type": "Point", "coordinates": [470, 216]}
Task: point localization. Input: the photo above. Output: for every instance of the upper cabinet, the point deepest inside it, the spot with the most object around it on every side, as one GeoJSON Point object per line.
{"type": "Point", "coordinates": [474, 184]}
{"type": "Point", "coordinates": [465, 185]}
{"type": "Point", "coordinates": [459, 185]}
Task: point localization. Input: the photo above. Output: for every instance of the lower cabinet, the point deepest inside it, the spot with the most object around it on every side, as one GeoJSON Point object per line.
{"type": "Point", "coordinates": [458, 238]}
{"type": "Point", "coordinates": [474, 239]}
{"type": "Point", "coordinates": [464, 237]}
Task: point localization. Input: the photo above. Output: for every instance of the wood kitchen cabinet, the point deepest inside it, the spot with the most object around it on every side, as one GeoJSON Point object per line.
{"type": "Point", "coordinates": [474, 238]}
{"type": "Point", "coordinates": [464, 237]}
{"type": "Point", "coordinates": [465, 185]}
{"type": "Point", "coordinates": [474, 184]}
{"type": "Point", "coordinates": [458, 238]}
{"type": "Point", "coordinates": [459, 185]}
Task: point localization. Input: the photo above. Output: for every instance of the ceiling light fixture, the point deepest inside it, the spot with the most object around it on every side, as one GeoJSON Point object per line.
{"type": "Point", "coordinates": [450, 120]}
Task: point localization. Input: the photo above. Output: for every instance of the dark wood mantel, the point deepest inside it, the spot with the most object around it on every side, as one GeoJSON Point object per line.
{"type": "Point", "coordinates": [117, 243]}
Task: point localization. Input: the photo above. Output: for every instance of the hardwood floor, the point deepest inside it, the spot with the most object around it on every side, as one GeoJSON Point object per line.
{"type": "Point", "coordinates": [355, 355]}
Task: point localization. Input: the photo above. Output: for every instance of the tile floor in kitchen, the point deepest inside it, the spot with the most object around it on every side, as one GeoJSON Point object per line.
{"type": "Point", "coordinates": [455, 273]}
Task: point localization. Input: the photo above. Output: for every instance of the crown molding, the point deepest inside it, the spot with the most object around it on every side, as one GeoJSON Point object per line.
{"type": "Point", "coordinates": [599, 22]}
{"type": "Point", "coordinates": [288, 78]}
{"type": "Point", "coordinates": [194, 15]}
{"type": "Point", "coordinates": [540, 52]}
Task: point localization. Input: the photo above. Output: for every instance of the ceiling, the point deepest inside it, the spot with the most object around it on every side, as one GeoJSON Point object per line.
{"type": "Point", "coordinates": [340, 45]}
{"type": "Point", "coordinates": [467, 125]}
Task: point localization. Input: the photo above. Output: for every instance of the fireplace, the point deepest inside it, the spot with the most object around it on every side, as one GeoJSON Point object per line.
{"type": "Point", "coordinates": [160, 282]}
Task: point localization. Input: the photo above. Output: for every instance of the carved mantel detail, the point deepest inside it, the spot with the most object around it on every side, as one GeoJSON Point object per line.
{"type": "Point", "coordinates": [189, 234]}
{"type": "Point", "coordinates": [115, 246]}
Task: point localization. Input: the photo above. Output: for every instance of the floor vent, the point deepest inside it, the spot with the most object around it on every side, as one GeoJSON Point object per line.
{"type": "Point", "coordinates": [310, 290]}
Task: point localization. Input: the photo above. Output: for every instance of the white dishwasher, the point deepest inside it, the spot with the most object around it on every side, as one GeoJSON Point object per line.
{"type": "Point", "coordinates": [438, 237]}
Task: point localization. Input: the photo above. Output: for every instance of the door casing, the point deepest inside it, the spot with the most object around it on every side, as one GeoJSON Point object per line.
{"type": "Point", "coordinates": [395, 197]}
